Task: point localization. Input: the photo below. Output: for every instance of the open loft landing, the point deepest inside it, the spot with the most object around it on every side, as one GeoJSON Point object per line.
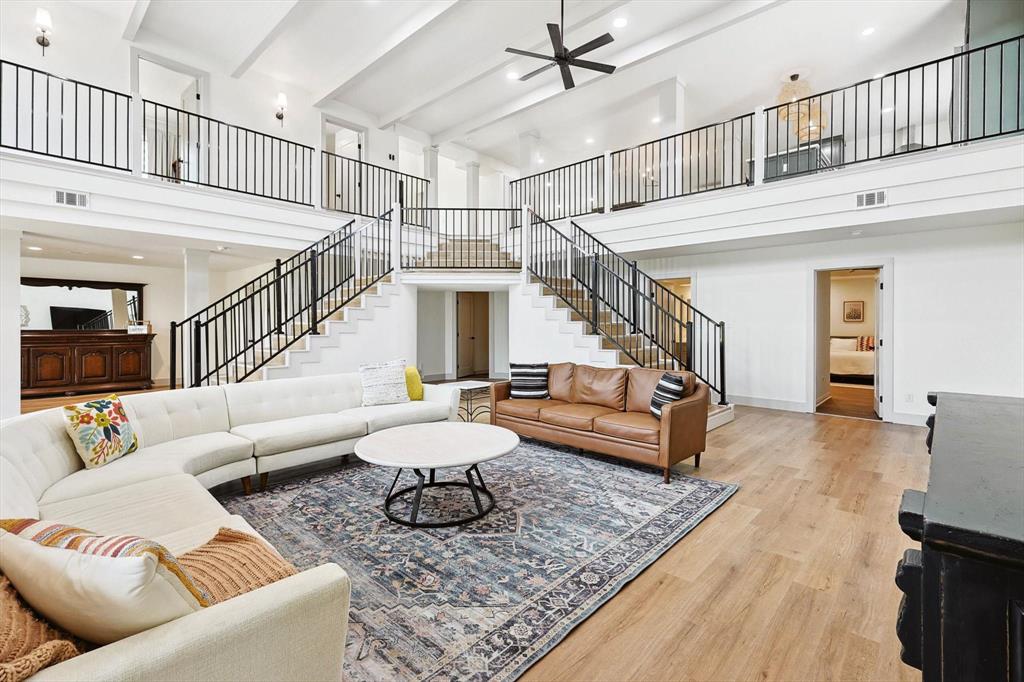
{"type": "Point", "coordinates": [504, 340]}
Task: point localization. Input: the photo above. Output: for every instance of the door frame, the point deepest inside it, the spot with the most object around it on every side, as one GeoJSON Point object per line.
{"type": "Point", "coordinates": [331, 119]}
{"type": "Point", "coordinates": [202, 77]}
{"type": "Point", "coordinates": [885, 354]}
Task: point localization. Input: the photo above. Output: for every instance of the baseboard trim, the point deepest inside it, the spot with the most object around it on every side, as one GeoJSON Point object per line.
{"type": "Point", "coordinates": [909, 418]}
{"type": "Point", "coordinates": [770, 403]}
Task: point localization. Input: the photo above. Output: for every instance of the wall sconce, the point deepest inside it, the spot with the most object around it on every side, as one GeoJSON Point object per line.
{"type": "Point", "coordinates": [44, 28]}
{"type": "Point", "coordinates": [282, 105]}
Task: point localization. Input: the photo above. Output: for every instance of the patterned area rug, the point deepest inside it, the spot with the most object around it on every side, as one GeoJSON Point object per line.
{"type": "Point", "coordinates": [486, 600]}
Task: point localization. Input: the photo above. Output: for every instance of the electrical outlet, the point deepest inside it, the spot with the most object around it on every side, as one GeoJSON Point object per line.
{"type": "Point", "coordinates": [908, 398]}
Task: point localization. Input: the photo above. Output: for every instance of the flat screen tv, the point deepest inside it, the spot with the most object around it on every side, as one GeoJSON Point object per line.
{"type": "Point", "coordinates": [70, 318]}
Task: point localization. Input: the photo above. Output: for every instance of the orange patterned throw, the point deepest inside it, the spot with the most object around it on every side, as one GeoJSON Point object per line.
{"type": "Point", "coordinates": [27, 643]}
{"type": "Point", "coordinates": [233, 563]}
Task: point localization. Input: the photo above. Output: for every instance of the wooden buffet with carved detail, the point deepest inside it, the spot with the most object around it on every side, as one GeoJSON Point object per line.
{"type": "Point", "coordinates": [55, 362]}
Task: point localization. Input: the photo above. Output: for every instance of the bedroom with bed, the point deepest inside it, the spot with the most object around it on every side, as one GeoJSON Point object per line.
{"type": "Point", "coordinates": [847, 330]}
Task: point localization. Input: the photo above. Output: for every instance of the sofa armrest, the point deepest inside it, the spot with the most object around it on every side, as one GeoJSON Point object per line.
{"type": "Point", "coordinates": [684, 427]}
{"type": "Point", "coordinates": [294, 629]}
{"type": "Point", "coordinates": [500, 390]}
{"type": "Point", "coordinates": [440, 393]}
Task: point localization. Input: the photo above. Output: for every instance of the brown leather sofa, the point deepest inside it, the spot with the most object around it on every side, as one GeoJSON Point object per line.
{"type": "Point", "coordinates": [607, 410]}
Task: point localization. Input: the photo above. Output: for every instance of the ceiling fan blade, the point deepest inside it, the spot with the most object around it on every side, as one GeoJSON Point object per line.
{"type": "Point", "coordinates": [567, 80]}
{"type": "Point", "coordinates": [593, 66]}
{"type": "Point", "coordinates": [538, 71]}
{"type": "Point", "coordinates": [556, 38]}
{"type": "Point", "coordinates": [600, 41]}
{"type": "Point", "coordinates": [529, 54]}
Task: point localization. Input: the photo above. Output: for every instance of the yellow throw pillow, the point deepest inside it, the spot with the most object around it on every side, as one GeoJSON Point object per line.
{"type": "Point", "coordinates": [414, 383]}
{"type": "Point", "coordinates": [100, 430]}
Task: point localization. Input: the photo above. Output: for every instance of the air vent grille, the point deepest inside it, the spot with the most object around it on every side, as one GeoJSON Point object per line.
{"type": "Point", "coordinates": [76, 199]}
{"type": "Point", "coordinates": [871, 199]}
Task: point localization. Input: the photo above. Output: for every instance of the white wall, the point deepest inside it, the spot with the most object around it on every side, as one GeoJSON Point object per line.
{"type": "Point", "coordinates": [957, 299]}
{"type": "Point", "coordinates": [430, 333]}
{"type": "Point", "coordinates": [10, 333]}
{"type": "Point", "coordinates": [451, 183]}
{"type": "Point", "coordinates": [534, 338]}
{"type": "Point", "coordinates": [498, 336]}
{"type": "Point", "coordinates": [857, 288]}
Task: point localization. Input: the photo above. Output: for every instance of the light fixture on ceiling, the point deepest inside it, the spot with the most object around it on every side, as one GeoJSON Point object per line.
{"type": "Point", "coordinates": [540, 160]}
{"type": "Point", "coordinates": [878, 75]}
{"type": "Point", "coordinates": [868, 31]}
{"type": "Point", "coordinates": [802, 111]}
{"type": "Point", "coordinates": [44, 28]}
{"type": "Point", "coordinates": [34, 248]}
{"type": "Point", "coordinates": [282, 106]}
{"type": "Point", "coordinates": [138, 257]}
{"type": "Point", "coordinates": [857, 233]}
{"type": "Point", "coordinates": [656, 119]}
{"type": "Point", "coordinates": [512, 75]}
{"type": "Point", "coordinates": [222, 248]}
{"type": "Point", "coordinates": [620, 22]}
{"type": "Point", "coordinates": [589, 140]}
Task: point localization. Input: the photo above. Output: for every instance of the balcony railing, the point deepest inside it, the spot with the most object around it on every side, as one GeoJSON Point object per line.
{"type": "Point", "coordinates": [181, 146]}
{"type": "Point", "coordinates": [970, 96]}
{"type": "Point", "coordinates": [361, 188]}
{"type": "Point", "coordinates": [63, 118]}
{"type": "Point", "coordinates": [565, 192]}
{"type": "Point", "coordinates": [461, 238]}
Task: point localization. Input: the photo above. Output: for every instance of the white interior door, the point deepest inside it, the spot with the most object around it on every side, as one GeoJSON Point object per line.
{"type": "Point", "coordinates": [879, 302]}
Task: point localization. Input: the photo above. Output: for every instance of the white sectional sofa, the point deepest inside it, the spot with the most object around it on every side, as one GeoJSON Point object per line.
{"type": "Point", "coordinates": [191, 440]}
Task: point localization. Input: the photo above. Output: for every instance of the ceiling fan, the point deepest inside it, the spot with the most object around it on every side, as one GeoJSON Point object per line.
{"type": "Point", "coordinates": [564, 58]}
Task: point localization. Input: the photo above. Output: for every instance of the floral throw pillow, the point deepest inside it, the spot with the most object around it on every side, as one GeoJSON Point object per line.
{"type": "Point", "coordinates": [100, 430]}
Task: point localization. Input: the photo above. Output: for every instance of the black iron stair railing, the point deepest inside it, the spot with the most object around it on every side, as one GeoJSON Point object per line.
{"type": "Point", "coordinates": [239, 334]}
{"type": "Point", "coordinates": [636, 314]}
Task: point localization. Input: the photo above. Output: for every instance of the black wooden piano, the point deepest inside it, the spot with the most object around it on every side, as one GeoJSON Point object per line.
{"type": "Point", "coordinates": [962, 614]}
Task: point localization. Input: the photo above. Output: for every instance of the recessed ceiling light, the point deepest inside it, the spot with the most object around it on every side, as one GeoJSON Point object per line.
{"type": "Point", "coordinates": [656, 119]}
{"type": "Point", "coordinates": [857, 233]}
{"type": "Point", "coordinates": [878, 75]}
{"type": "Point", "coordinates": [34, 248]}
{"type": "Point", "coordinates": [539, 160]}
{"type": "Point", "coordinates": [589, 140]}
{"type": "Point", "coordinates": [512, 75]}
{"type": "Point", "coordinates": [620, 22]}
{"type": "Point", "coordinates": [138, 257]}
{"type": "Point", "coordinates": [868, 31]}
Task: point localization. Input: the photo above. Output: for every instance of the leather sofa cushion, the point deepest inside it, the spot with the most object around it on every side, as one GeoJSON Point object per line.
{"type": "Point", "coordinates": [640, 387]}
{"type": "Point", "coordinates": [378, 417]}
{"type": "Point", "coordinates": [525, 408]}
{"type": "Point", "coordinates": [599, 386]}
{"type": "Point", "coordinates": [574, 416]}
{"type": "Point", "coordinates": [560, 381]}
{"type": "Point", "coordinates": [284, 435]}
{"type": "Point", "coordinates": [642, 427]}
{"type": "Point", "coordinates": [192, 455]}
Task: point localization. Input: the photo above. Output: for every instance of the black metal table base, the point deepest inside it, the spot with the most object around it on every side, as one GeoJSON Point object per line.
{"type": "Point", "coordinates": [482, 497]}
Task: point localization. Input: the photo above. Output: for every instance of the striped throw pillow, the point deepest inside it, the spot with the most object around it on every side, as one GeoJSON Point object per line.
{"type": "Point", "coordinates": [101, 588]}
{"type": "Point", "coordinates": [670, 388]}
{"type": "Point", "coordinates": [529, 381]}
{"type": "Point", "coordinates": [865, 343]}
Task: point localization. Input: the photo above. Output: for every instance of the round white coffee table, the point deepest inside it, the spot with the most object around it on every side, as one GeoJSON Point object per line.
{"type": "Point", "coordinates": [437, 445]}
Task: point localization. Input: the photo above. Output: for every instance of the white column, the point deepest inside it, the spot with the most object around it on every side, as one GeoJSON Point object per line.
{"type": "Point", "coordinates": [10, 322]}
{"type": "Point", "coordinates": [758, 148]}
{"type": "Point", "coordinates": [396, 240]}
{"type": "Point", "coordinates": [473, 196]}
{"type": "Point", "coordinates": [430, 173]}
{"type": "Point", "coordinates": [197, 280]}
{"type": "Point", "coordinates": [670, 109]}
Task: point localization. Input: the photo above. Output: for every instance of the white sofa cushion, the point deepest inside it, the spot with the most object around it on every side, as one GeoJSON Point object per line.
{"type": "Point", "coordinates": [380, 417]}
{"type": "Point", "coordinates": [283, 435]}
{"type": "Point", "coordinates": [163, 416]}
{"type": "Point", "coordinates": [39, 447]}
{"type": "Point", "coordinates": [266, 401]}
{"type": "Point", "coordinates": [384, 383]}
{"type": "Point", "coordinates": [101, 588]}
{"type": "Point", "coordinates": [187, 539]}
{"type": "Point", "coordinates": [150, 508]}
{"type": "Point", "coordinates": [16, 498]}
{"type": "Point", "coordinates": [193, 455]}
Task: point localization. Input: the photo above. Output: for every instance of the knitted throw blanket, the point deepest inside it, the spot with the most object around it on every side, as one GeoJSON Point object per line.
{"type": "Point", "coordinates": [233, 563]}
{"type": "Point", "coordinates": [27, 642]}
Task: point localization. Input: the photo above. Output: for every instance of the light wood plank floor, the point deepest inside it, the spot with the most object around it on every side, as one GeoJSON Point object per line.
{"type": "Point", "coordinates": [791, 579]}
{"type": "Point", "coordinates": [850, 401]}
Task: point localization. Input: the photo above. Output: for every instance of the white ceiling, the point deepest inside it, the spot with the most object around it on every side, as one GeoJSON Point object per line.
{"type": "Point", "coordinates": [439, 66]}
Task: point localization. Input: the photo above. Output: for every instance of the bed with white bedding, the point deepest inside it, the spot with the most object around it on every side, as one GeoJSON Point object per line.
{"type": "Point", "coordinates": [847, 363]}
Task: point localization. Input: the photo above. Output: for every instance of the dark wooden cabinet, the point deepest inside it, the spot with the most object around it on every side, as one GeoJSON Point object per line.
{"type": "Point", "coordinates": [87, 361]}
{"type": "Point", "coordinates": [962, 614]}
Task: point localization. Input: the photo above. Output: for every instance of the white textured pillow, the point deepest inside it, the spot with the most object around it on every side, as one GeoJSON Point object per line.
{"type": "Point", "coordinates": [384, 383]}
{"type": "Point", "coordinates": [844, 344]}
{"type": "Point", "coordinates": [99, 588]}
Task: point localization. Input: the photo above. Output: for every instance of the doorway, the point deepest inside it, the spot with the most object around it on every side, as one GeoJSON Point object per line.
{"type": "Point", "coordinates": [342, 140]}
{"type": "Point", "coordinates": [472, 334]}
{"type": "Point", "coordinates": [172, 97]}
{"type": "Point", "coordinates": [848, 321]}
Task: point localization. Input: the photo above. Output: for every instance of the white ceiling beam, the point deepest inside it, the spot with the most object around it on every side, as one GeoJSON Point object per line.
{"type": "Point", "coordinates": [271, 34]}
{"type": "Point", "coordinates": [481, 69]}
{"type": "Point", "coordinates": [420, 21]}
{"type": "Point", "coordinates": [628, 58]}
{"type": "Point", "coordinates": [131, 28]}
